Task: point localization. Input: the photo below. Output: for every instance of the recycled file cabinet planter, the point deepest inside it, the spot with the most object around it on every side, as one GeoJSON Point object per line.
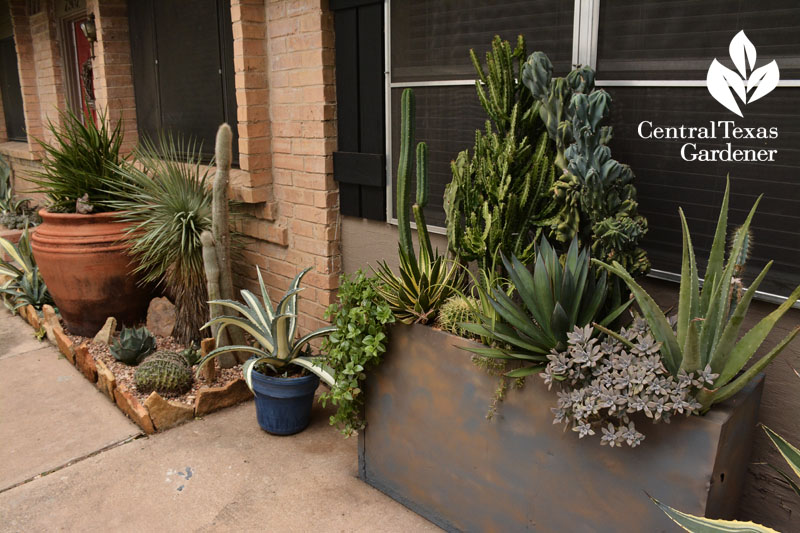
{"type": "Point", "coordinates": [429, 446]}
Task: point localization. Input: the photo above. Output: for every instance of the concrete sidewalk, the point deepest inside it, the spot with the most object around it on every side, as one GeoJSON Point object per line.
{"type": "Point", "coordinates": [70, 461]}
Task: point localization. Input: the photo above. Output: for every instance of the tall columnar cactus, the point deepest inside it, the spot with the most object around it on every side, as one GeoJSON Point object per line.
{"type": "Point", "coordinates": [501, 197]}
{"type": "Point", "coordinates": [595, 193]}
{"type": "Point", "coordinates": [217, 245]}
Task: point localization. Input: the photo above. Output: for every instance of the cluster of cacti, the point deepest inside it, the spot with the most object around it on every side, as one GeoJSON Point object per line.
{"type": "Point", "coordinates": [596, 195]}
{"type": "Point", "coordinates": [191, 354]}
{"type": "Point", "coordinates": [217, 248]}
{"type": "Point", "coordinates": [501, 195]}
{"type": "Point", "coordinates": [456, 311]}
{"type": "Point", "coordinates": [164, 372]}
{"type": "Point", "coordinates": [133, 345]}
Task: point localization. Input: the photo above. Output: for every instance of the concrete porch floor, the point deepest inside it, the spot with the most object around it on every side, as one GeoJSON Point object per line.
{"type": "Point", "coordinates": [71, 461]}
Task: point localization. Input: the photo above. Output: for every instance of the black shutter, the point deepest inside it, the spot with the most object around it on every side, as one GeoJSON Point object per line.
{"type": "Point", "coordinates": [12, 95]}
{"type": "Point", "coordinates": [359, 165]}
{"type": "Point", "coordinates": [183, 68]}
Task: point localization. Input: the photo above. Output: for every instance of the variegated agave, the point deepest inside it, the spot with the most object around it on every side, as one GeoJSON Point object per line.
{"type": "Point", "coordinates": [274, 330]}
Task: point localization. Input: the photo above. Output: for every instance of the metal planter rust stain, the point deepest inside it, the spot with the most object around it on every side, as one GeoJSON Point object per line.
{"type": "Point", "coordinates": [429, 446]}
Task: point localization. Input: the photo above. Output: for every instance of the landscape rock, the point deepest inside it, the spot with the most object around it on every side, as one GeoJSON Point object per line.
{"type": "Point", "coordinates": [32, 317]}
{"type": "Point", "coordinates": [209, 371]}
{"type": "Point", "coordinates": [161, 317]}
{"type": "Point", "coordinates": [165, 413]}
{"type": "Point", "coordinates": [64, 345]}
{"type": "Point", "coordinates": [135, 411]}
{"type": "Point", "coordinates": [106, 382]}
{"type": "Point", "coordinates": [50, 321]}
{"type": "Point", "coordinates": [106, 332]}
{"type": "Point", "coordinates": [211, 399]}
{"type": "Point", "coordinates": [85, 362]}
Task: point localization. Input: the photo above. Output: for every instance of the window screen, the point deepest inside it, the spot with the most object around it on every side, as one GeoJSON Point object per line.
{"type": "Point", "coordinates": [183, 68]}
{"type": "Point", "coordinates": [677, 39]}
{"type": "Point", "coordinates": [430, 42]}
{"type": "Point", "coordinates": [12, 95]}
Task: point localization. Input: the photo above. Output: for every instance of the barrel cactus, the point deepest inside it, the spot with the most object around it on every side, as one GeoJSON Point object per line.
{"type": "Point", "coordinates": [164, 372]}
{"type": "Point", "coordinates": [133, 345]}
{"type": "Point", "coordinates": [458, 310]}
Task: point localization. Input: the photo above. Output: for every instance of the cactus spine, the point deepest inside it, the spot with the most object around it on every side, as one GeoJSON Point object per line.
{"type": "Point", "coordinates": [217, 246]}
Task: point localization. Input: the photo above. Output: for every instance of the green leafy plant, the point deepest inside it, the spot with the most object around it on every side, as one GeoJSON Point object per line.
{"type": "Point", "coordinates": [273, 329]}
{"type": "Point", "coordinates": [79, 163]}
{"type": "Point", "coordinates": [553, 300]}
{"type": "Point", "coordinates": [164, 372]}
{"type": "Point", "coordinates": [501, 196]}
{"type": "Point", "coordinates": [167, 203]}
{"type": "Point", "coordinates": [360, 319]}
{"type": "Point", "coordinates": [426, 282]}
{"type": "Point", "coordinates": [709, 318]}
{"type": "Point", "coordinates": [24, 285]}
{"type": "Point", "coordinates": [133, 345]}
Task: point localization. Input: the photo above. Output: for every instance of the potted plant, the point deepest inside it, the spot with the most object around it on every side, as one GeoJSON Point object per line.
{"type": "Point", "coordinates": [80, 246]}
{"type": "Point", "coordinates": [280, 374]}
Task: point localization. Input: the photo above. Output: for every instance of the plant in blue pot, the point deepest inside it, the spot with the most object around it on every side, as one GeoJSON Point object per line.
{"type": "Point", "coordinates": [282, 376]}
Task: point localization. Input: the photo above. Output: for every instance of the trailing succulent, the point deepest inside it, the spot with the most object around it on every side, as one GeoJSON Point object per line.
{"type": "Point", "coordinates": [595, 193]}
{"type": "Point", "coordinates": [360, 319]}
{"type": "Point", "coordinates": [133, 345]}
{"type": "Point", "coordinates": [164, 372]}
{"type": "Point", "coordinates": [501, 196]}
{"type": "Point", "coordinates": [425, 282]}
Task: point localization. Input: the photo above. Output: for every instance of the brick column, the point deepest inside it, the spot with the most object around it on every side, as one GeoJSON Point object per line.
{"type": "Point", "coordinates": [48, 68]}
{"type": "Point", "coordinates": [27, 71]}
{"type": "Point", "coordinates": [112, 66]}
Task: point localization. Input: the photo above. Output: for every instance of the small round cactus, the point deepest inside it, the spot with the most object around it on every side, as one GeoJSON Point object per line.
{"type": "Point", "coordinates": [457, 309]}
{"type": "Point", "coordinates": [164, 372]}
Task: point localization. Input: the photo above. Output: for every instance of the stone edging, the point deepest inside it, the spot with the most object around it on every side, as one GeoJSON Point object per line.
{"type": "Point", "coordinates": [157, 413]}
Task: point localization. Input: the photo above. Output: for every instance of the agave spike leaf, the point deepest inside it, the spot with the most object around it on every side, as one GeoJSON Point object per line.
{"type": "Point", "coordinates": [662, 331]}
{"type": "Point", "coordinates": [699, 524]}
{"type": "Point", "coordinates": [524, 371]}
{"type": "Point", "coordinates": [738, 384]}
{"type": "Point", "coordinates": [226, 349]}
{"type": "Point", "coordinates": [544, 291]}
{"type": "Point", "coordinates": [789, 452]}
{"type": "Point", "coordinates": [717, 255]}
{"type": "Point", "coordinates": [729, 335]}
{"type": "Point", "coordinates": [688, 301]}
{"type": "Point", "coordinates": [258, 330]}
{"type": "Point", "coordinates": [614, 334]}
{"type": "Point", "coordinates": [323, 373]}
{"type": "Point", "coordinates": [691, 349]}
{"type": "Point", "coordinates": [280, 332]}
{"type": "Point", "coordinates": [527, 288]}
{"type": "Point", "coordinates": [613, 315]}
{"type": "Point", "coordinates": [516, 317]}
{"type": "Point", "coordinates": [302, 341]}
{"type": "Point", "coordinates": [791, 482]}
{"type": "Point", "coordinates": [293, 301]}
{"type": "Point", "coordinates": [260, 314]}
{"type": "Point", "coordinates": [15, 256]}
{"type": "Point", "coordinates": [238, 307]}
{"type": "Point", "coordinates": [264, 295]}
{"type": "Point", "coordinates": [752, 340]}
{"type": "Point", "coordinates": [493, 353]}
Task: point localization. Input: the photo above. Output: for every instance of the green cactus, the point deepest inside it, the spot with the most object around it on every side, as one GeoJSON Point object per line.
{"type": "Point", "coordinates": [133, 345]}
{"type": "Point", "coordinates": [501, 196]}
{"type": "Point", "coordinates": [458, 310]}
{"type": "Point", "coordinates": [164, 372]}
{"type": "Point", "coordinates": [596, 195]}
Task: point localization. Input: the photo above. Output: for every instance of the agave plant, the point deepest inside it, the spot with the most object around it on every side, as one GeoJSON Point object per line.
{"type": "Point", "coordinates": [555, 299]}
{"type": "Point", "coordinates": [167, 203]}
{"type": "Point", "coordinates": [25, 285]}
{"type": "Point", "coordinates": [273, 329]}
{"type": "Point", "coordinates": [79, 161]}
{"type": "Point", "coordinates": [706, 337]}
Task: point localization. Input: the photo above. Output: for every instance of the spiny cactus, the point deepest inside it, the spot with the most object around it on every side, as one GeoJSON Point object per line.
{"type": "Point", "coordinates": [596, 195]}
{"type": "Point", "coordinates": [217, 247]}
{"type": "Point", "coordinates": [164, 372]}
{"type": "Point", "coordinates": [458, 310]}
{"type": "Point", "coordinates": [133, 345]}
{"type": "Point", "coordinates": [501, 195]}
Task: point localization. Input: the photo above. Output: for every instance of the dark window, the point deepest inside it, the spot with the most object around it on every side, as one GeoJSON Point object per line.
{"type": "Point", "coordinates": [679, 40]}
{"type": "Point", "coordinates": [12, 95]}
{"type": "Point", "coordinates": [183, 68]}
{"type": "Point", "coordinates": [431, 40]}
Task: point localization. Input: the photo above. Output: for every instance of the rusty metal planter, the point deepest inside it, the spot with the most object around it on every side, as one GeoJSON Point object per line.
{"type": "Point", "coordinates": [429, 446]}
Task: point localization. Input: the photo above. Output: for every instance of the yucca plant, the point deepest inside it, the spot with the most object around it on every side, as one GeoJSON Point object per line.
{"type": "Point", "coordinates": [559, 295]}
{"type": "Point", "coordinates": [706, 337]}
{"type": "Point", "coordinates": [79, 162]}
{"type": "Point", "coordinates": [274, 330]}
{"type": "Point", "coordinates": [166, 200]}
{"type": "Point", "coordinates": [25, 285]}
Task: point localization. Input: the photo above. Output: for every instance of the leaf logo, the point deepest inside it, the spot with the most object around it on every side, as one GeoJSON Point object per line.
{"type": "Point", "coordinates": [723, 83]}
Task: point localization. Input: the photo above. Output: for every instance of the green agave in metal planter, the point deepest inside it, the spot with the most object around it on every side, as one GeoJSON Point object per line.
{"type": "Point", "coordinates": [274, 330]}
{"type": "Point", "coordinates": [555, 299]}
{"type": "Point", "coordinates": [709, 319]}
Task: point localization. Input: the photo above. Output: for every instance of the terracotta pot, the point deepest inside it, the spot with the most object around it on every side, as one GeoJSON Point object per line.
{"type": "Point", "coordinates": [83, 261]}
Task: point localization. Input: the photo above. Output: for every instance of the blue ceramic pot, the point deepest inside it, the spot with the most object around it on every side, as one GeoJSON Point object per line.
{"type": "Point", "coordinates": [283, 405]}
